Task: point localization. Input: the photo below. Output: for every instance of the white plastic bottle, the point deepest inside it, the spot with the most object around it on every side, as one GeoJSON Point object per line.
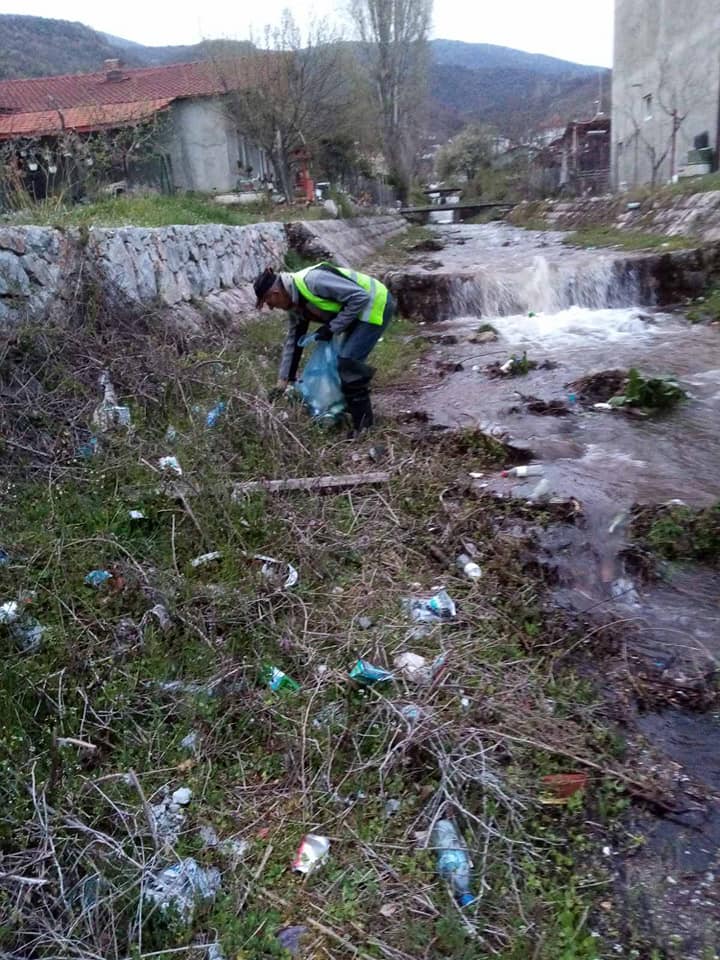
{"type": "Point", "coordinates": [526, 470]}
{"type": "Point", "coordinates": [468, 566]}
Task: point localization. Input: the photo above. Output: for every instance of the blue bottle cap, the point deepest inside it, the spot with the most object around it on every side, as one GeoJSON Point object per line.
{"type": "Point", "coordinates": [465, 899]}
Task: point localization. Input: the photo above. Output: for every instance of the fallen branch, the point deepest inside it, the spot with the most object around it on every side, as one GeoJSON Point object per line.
{"type": "Point", "coordinates": [315, 484]}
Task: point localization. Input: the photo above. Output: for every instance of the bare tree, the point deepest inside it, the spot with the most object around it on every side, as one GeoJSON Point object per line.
{"type": "Point", "coordinates": [395, 35]}
{"type": "Point", "coordinates": [287, 93]}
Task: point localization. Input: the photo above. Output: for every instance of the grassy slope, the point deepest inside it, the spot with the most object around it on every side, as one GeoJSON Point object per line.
{"type": "Point", "coordinates": [263, 770]}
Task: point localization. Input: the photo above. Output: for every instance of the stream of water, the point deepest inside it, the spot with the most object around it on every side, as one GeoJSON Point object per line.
{"type": "Point", "coordinates": [575, 313]}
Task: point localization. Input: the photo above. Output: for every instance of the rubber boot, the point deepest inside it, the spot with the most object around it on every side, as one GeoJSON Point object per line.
{"type": "Point", "coordinates": [361, 413]}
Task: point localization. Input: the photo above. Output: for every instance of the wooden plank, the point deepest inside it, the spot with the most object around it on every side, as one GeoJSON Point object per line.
{"type": "Point", "coordinates": [314, 484]}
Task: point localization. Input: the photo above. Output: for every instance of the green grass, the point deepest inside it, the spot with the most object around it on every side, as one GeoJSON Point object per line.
{"type": "Point", "coordinates": [706, 310]}
{"type": "Point", "coordinates": [677, 532]}
{"type": "Point", "coordinates": [157, 211]}
{"type": "Point", "coordinates": [628, 239]}
{"type": "Point", "coordinates": [263, 770]}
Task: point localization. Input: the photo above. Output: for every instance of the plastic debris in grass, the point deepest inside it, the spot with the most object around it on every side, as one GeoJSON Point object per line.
{"type": "Point", "coordinates": [171, 434]}
{"type": "Point", "coordinates": [88, 449]}
{"type": "Point", "coordinates": [97, 578]}
{"type": "Point", "coordinates": [270, 567]}
{"type": "Point", "coordinates": [109, 414]}
{"type": "Point", "coordinates": [215, 951]}
{"type": "Point", "coordinates": [276, 679]}
{"type": "Point", "coordinates": [417, 669]}
{"type": "Point", "coordinates": [290, 939]}
{"type": "Point", "coordinates": [215, 413]}
{"type": "Point", "coordinates": [4, 558]}
{"type": "Point", "coordinates": [368, 674]}
{"type": "Point", "coordinates": [183, 886]}
{"type": "Point", "coordinates": [453, 861]}
{"type": "Point", "coordinates": [23, 628]}
{"type": "Point", "coordinates": [206, 558]}
{"type": "Point", "coordinates": [190, 741]}
{"type": "Point", "coordinates": [136, 515]}
{"type": "Point", "coordinates": [439, 606]}
{"type": "Point", "coordinates": [159, 613]}
{"type": "Point", "coordinates": [311, 854]}
{"type": "Point", "coordinates": [331, 715]}
{"type": "Point", "coordinates": [170, 464]}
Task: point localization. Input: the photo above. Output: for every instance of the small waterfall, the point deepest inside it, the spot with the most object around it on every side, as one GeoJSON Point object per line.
{"type": "Point", "coordinates": [546, 287]}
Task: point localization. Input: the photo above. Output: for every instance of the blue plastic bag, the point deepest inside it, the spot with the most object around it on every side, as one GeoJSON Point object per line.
{"type": "Point", "coordinates": [320, 385]}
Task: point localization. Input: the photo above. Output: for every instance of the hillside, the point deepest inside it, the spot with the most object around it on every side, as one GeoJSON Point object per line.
{"type": "Point", "coordinates": [516, 91]}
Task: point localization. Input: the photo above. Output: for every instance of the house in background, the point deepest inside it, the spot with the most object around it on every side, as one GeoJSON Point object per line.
{"type": "Point", "coordinates": [202, 148]}
{"type": "Point", "coordinates": [666, 90]}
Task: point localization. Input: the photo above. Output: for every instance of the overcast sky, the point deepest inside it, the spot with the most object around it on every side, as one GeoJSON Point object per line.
{"type": "Point", "coordinates": [570, 29]}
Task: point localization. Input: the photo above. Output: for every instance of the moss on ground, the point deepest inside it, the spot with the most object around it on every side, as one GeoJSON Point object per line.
{"type": "Point", "coordinates": [268, 767]}
{"type": "Point", "coordinates": [605, 236]}
{"type": "Point", "coordinates": [706, 309]}
{"type": "Point", "coordinates": [678, 532]}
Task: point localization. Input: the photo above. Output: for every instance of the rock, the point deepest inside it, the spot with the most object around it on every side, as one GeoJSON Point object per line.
{"type": "Point", "coordinates": [488, 336]}
{"type": "Point", "coordinates": [12, 240]}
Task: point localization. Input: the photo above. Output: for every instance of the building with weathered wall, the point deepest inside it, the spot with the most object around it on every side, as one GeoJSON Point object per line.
{"type": "Point", "coordinates": [666, 89]}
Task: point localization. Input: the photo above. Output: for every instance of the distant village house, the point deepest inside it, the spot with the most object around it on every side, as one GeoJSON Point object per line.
{"type": "Point", "coordinates": [201, 147]}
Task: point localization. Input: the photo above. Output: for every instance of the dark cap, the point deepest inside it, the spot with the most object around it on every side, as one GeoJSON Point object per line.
{"type": "Point", "coordinates": [262, 283]}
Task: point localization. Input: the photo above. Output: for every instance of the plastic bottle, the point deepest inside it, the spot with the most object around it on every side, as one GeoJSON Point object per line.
{"type": "Point", "coordinates": [468, 566]}
{"type": "Point", "coordinates": [526, 470]}
{"type": "Point", "coordinates": [453, 862]}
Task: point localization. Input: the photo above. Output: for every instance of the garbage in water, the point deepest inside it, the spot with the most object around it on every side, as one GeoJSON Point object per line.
{"type": "Point", "coordinates": [109, 413]}
{"type": "Point", "coordinates": [170, 463]}
{"type": "Point", "coordinates": [289, 939]}
{"type": "Point", "coordinates": [206, 558]}
{"type": "Point", "coordinates": [214, 415]}
{"type": "Point", "coordinates": [183, 886]}
{"type": "Point", "coordinates": [311, 854]}
{"type": "Point", "coordinates": [4, 558]}
{"type": "Point", "coordinates": [22, 627]}
{"type": "Point", "coordinates": [268, 569]}
{"type": "Point", "coordinates": [88, 449]}
{"type": "Point", "coordinates": [604, 406]}
{"type": "Point", "coordinates": [276, 679]}
{"type": "Point", "coordinates": [541, 490]}
{"type": "Point", "coordinates": [468, 566]}
{"type": "Point", "coordinates": [453, 862]}
{"type": "Point", "coordinates": [97, 578]}
{"type": "Point", "coordinates": [136, 515]}
{"type": "Point", "coordinates": [366, 673]}
{"type": "Point", "coordinates": [525, 470]}
{"type": "Point", "coordinates": [320, 384]}
{"type": "Point", "coordinates": [430, 609]}
{"type": "Point", "coordinates": [562, 786]}
{"type": "Point", "coordinates": [182, 796]}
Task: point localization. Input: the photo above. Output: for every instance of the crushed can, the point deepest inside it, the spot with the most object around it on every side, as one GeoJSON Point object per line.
{"type": "Point", "coordinates": [311, 854]}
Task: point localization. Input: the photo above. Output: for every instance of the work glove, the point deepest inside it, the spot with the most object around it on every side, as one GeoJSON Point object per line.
{"type": "Point", "coordinates": [324, 333]}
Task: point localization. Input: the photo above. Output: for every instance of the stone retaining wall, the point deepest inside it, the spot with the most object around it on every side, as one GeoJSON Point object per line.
{"type": "Point", "coordinates": [184, 271]}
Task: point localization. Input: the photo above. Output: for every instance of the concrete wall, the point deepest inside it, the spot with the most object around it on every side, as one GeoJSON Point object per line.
{"type": "Point", "coordinates": [207, 151]}
{"type": "Point", "coordinates": [185, 273]}
{"type": "Point", "coordinates": [668, 50]}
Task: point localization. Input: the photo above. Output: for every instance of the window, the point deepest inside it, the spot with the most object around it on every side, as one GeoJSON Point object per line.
{"type": "Point", "coordinates": [647, 106]}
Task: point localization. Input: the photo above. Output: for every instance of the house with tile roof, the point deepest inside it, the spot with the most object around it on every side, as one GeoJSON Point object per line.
{"type": "Point", "coordinates": [202, 149]}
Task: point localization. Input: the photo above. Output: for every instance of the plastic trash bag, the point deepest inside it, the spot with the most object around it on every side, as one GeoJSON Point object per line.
{"type": "Point", "coordinates": [320, 385]}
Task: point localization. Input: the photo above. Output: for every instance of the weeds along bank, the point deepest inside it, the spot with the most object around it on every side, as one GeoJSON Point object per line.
{"type": "Point", "coordinates": [154, 685]}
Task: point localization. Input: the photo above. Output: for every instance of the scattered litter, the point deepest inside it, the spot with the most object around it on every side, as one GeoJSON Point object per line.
{"type": "Point", "coordinates": [564, 785]}
{"type": "Point", "coordinates": [108, 413]}
{"type": "Point", "coordinates": [208, 835]}
{"type": "Point", "coordinates": [161, 615]}
{"type": "Point", "coordinates": [604, 406]}
{"type": "Point", "coordinates": [171, 434]}
{"type": "Point", "coordinates": [392, 807]}
{"type": "Point", "coordinates": [4, 558]}
{"type": "Point", "coordinates": [331, 714]}
{"type": "Point", "coordinates": [526, 470]}
{"type": "Point", "coordinates": [289, 939]}
{"type": "Point", "coordinates": [9, 612]}
{"type": "Point", "coordinates": [234, 850]}
{"type": "Point", "coordinates": [170, 463]}
{"type": "Point", "coordinates": [206, 558]}
{"type": "Point", "coordinates": [182, 886]}
{"type": "Point", "coordinates": [366, 673]}
{"type": "Point", "coordinates": [416, 668]}
{"type": "Point", "coordinates": [365, 623]}
{"type": "Point", "coordinates": [183, 796]}
{"type": "Point", "coordinates": [23, 628]}
{"type": "Point", "coordinates": [97, 578]}
{"type": "Point", "coordinates": [169, 819]}
{"type": "Point", "coordinates": [276, 679]}
{"type": "Point", "coordinates": [190, 741]}
{"type": "Point", "coordinates": [476, 475]}
{"type": "Point", "coordinates": [540, 490]}
{"type": "Point", "coordinates": [136, 515]}
{"type": "Point", "coordinates": [311, 854]}
{"type": "Point", "coordinates": [412, 713]}
{"type": "Point", "coordinates": [388, 909]}
{"type": "Point", "coordinates": [214, 415]}
{"type": "Point", "coordinates": [215, 951]}
{"type": "Point", "coordinates": [270, 562]}
{"type": "Point", "coordinates": [453, 862]}
{"type": "Point", "coordinates": [465, 703]}
{"type": "Point", "coordinates": [468, 566]}
{"type": "Point", "coordinates": [88, 449]}
{"type": "Point", "coordinates": [431, 609]}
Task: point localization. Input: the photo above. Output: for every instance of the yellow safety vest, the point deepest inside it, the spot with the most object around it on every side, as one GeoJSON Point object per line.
{"type": "Point", "coordinates": [375, 309]}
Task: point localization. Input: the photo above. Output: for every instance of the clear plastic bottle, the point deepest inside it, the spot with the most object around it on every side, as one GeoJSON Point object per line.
{"type": "Point", "coordinates": [453, 862]}
{"type": "Point", "coordinates": [526, 470]}
{"type": "Point", "coordinates": [468, 566]}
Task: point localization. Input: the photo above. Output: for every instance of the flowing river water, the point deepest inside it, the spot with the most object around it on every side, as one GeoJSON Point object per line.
{"type": "Point", "coordinates": [576, 313]}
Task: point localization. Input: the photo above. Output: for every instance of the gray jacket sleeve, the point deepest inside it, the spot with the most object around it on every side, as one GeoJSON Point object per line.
{"type": "Point", "coordinates": [332, 286]}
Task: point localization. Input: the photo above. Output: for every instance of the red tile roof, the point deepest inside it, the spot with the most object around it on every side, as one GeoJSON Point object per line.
{"type": "Point", "coordinates": [91, 89]}
{"type": "Point", "coordinates": [81, 119]}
